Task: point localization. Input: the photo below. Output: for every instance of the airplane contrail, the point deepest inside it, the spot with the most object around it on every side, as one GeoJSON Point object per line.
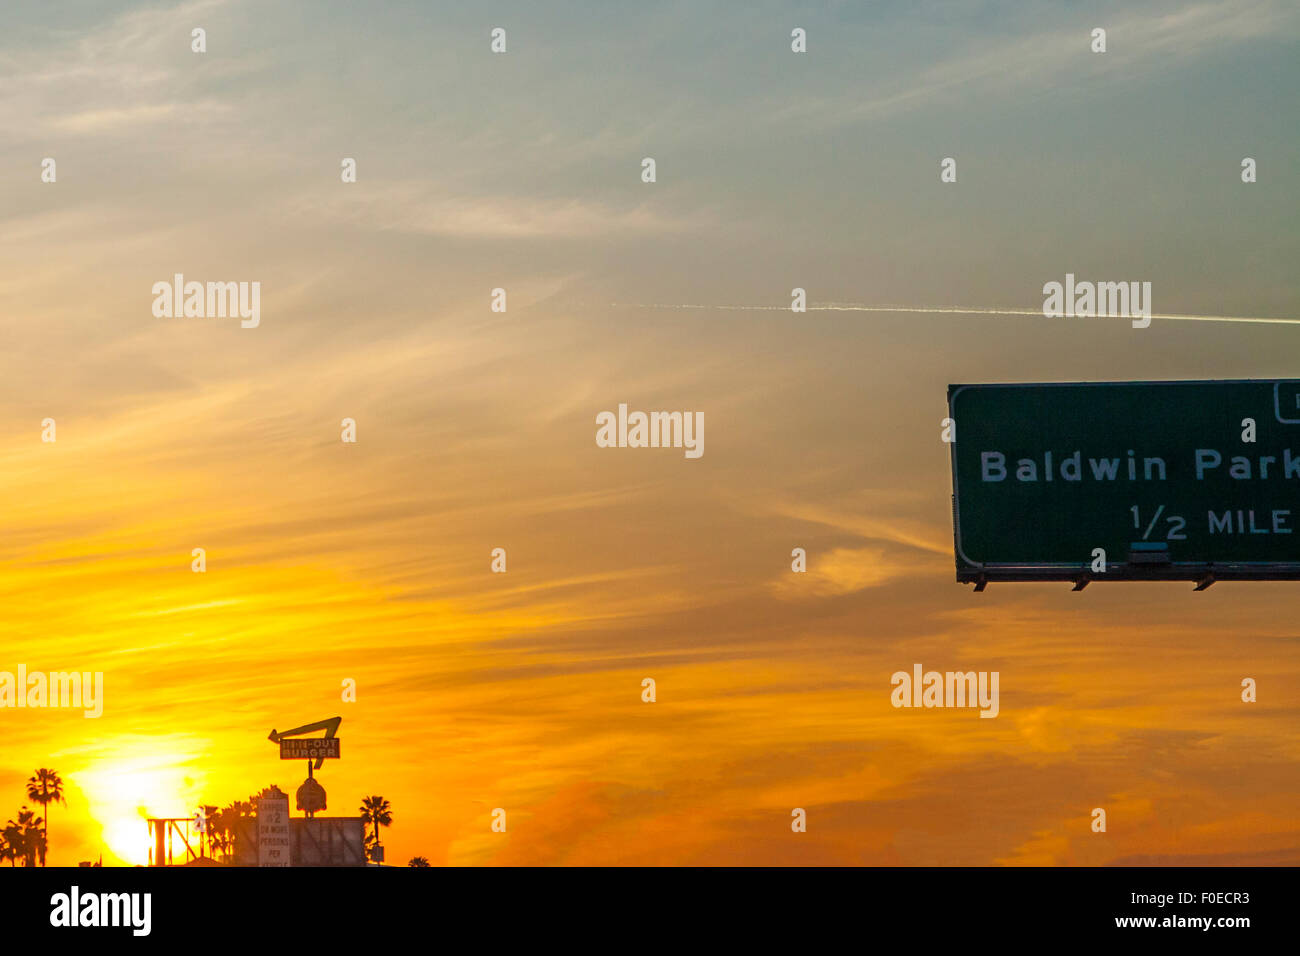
{"type": "Point", "coordinates": [853, 307]}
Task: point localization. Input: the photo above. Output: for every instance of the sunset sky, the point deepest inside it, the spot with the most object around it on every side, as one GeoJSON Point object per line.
{"type": "Point", "coordinates": [370, 561]}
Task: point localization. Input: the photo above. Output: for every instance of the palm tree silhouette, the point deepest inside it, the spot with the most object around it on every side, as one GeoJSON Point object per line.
{"type": "Point", "coordinates": [223, 824]}
{"type": "Point", "coordinates": [31, 839]}
{"type": "Point", "coordinates": [11, 838]}
{"type": "Point", "coordinates": [45, 787]}
{"type": "Point", "coordinates": [418, 861]}
{"type": "Point", "coordinates": [378, 811]}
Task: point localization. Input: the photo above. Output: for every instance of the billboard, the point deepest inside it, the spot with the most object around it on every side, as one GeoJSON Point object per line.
{"type": "Point", "coordinates": [309, 748]}
{"type": "Point", "coordinates": [1123, 481]}
{"type": "Point", "coordinates": [321, 841]}
{"type": "Point", "coordinates": [329, 841]}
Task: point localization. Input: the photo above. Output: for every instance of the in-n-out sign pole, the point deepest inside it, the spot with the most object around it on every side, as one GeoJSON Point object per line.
{"type": "Point", "coordinates": [1126, 481]}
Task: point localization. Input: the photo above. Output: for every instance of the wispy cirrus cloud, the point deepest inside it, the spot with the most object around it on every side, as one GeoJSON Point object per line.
{"type": "Point", "coordinates": [421, 209]}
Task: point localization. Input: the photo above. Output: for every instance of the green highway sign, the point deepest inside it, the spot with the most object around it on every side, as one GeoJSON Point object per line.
{"type": "Point", "coordinates": [1154, 481]}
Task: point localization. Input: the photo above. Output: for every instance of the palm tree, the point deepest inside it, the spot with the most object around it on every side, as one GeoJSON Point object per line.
{"type": "Point", "coordinates": [15, 845]}
{"type": "Point", "coordinates": [418, 861]}
{"type": "Point", "coordinates": [6, 851]}
{"type": "Point", "coordinates": [45, 787]}
{"type": "Point", "coordinates": [378, 811]}
{"type": "Point", "coordinates": [32, 840]}
{"type": "Point", "coordinates": [222, 826]}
